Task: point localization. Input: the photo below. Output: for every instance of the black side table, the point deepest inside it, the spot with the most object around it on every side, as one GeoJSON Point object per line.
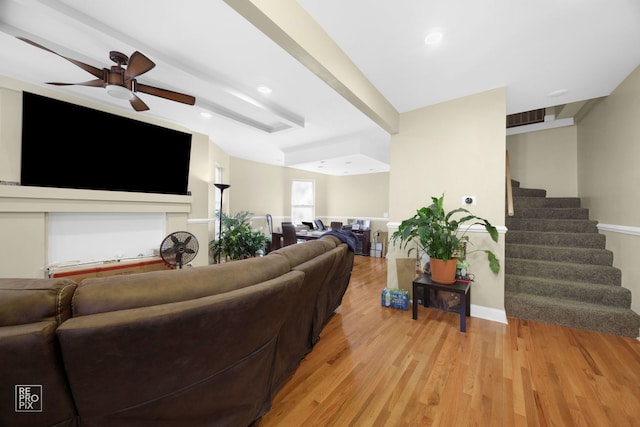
{"type": "Point", "coordinates": [462, 288]}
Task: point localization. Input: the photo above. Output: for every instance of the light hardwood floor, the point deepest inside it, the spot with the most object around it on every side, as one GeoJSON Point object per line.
{"type": "Point", "coordinates": [375, 366]}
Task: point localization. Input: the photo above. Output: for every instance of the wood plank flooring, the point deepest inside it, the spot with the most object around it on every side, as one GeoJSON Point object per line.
{"type": "Point", "coordinates": [375, 366]}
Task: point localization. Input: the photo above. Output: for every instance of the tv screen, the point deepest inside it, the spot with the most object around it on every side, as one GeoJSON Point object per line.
{"type": "Point", "coordinates": [70, 146]}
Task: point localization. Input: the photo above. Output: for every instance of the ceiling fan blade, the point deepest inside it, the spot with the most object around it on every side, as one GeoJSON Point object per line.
{"type": "Point", "coordinates": [137, 103]}
{"type": "Point", "coordinates": [97, 72]}
{"type": "Point", "coordinates": [93, 83]}
{"type": "Point", "coordinates": [164, 93]}
{"type": "Point", "coordinates": [138, 64]}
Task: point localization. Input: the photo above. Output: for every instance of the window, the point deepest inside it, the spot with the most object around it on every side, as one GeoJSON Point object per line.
{"type": "Point", "coordinates": [302, 201]}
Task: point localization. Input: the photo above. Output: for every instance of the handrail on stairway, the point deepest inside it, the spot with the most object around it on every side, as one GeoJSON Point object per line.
{"type": "Point", "coordinates": [509, 189]}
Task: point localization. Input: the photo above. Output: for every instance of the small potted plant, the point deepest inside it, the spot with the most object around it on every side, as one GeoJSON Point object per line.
{"type": "Point", "coordinates": [237, 240]}
{"type": "Point", "coordinates": [441, 236]}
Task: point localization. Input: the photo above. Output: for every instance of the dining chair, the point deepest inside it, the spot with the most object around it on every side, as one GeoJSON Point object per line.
{"type": "Point", "coordinates": [336, 225]}
{"type": "Point", "coordinates": [289, 234]}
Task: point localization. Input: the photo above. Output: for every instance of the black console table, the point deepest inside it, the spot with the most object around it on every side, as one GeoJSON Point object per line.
{"type": "Point", "coordinates": [462, 288]}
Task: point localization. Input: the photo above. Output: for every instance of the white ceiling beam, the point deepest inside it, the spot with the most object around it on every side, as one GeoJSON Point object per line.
{"type": "Point", "coordinates": [291, 27]}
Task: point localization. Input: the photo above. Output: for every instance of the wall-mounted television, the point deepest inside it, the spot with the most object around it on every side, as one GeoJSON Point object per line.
{"type": "Point", "coordinates": [70, 146]}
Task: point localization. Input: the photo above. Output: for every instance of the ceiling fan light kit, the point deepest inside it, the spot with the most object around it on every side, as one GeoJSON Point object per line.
{"type": "Point", "coordinates": [121, 82]}
{"type": "Point", "coordinates": [119, 92]}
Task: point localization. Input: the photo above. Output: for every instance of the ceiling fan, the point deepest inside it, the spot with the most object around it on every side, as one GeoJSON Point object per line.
{"type": "Point", "coordinates": [121, 82]}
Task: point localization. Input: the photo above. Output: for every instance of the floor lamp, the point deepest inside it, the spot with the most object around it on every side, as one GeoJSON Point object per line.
{"type": "Point", "coordinates": [222, 187]}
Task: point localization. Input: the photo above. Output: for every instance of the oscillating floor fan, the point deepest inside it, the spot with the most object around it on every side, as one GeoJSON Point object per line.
{"type": "Point", "coordinates": [179, 248]}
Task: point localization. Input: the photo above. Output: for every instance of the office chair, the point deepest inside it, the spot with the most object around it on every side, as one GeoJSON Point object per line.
{"type": "Point", "coordinates": [270, 223]}
{"type": "Point", "coordinates": [336, 225]}
{"type": "Point", "coordinates": [308, 224]}
{"type": "Point", "coordinates": [289, 234]}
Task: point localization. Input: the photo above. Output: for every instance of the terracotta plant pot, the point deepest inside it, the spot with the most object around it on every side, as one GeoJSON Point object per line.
{"type": "Point", "coordinates": [443, 272]}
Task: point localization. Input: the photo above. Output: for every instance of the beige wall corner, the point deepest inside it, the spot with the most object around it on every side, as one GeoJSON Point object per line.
{"type": "Point", "coordinates": [546, 159]}
{"type": "Point", "coordinates": [608, 175]}
{"type": "Point", "coordinates": [456, 148]}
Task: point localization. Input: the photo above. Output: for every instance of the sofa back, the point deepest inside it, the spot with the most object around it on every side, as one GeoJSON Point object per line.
{"type": "Point", "coordinates": [105, 294]}
{"type": "Point", "coordinates": [319, 260]}
{"type": "Point", "coordinates": [206, 359]}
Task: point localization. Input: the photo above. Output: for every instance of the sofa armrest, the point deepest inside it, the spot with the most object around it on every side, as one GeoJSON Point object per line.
{"type": "Point", "coordinates": [29, 357]}
{"type": "Point", "coordinates": [24, 301]}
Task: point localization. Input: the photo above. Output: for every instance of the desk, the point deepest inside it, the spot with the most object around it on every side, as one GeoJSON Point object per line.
{"type": "Point", "coordinates": [462, 288]}
{"type": "Point", "coordinates": [276, 238]}
{"type": "Point", "coordinates": [309, 235]}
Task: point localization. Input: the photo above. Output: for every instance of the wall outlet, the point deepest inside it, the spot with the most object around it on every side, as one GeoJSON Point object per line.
{"type": "Point", "coordinates": [468, 200]}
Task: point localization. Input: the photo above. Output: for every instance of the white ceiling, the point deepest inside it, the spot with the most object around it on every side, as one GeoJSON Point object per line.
{"type": "Point", "coordinates": [207, 49]}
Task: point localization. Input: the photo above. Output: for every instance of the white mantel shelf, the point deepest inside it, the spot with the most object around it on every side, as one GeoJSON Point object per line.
{"type": "Point", "coordinates": [16, 198]}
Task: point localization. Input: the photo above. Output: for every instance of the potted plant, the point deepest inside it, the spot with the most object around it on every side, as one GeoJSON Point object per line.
{"type": "Point", "coordinates": [237, 240]}
{"type": "Point", "coordinates": [441, 236]}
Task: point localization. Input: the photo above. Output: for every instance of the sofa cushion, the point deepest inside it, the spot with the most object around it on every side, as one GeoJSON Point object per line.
{"type": "Point", "coordinates": [103, 294]}
{"type": "Point", "coordinates": [25, 301]}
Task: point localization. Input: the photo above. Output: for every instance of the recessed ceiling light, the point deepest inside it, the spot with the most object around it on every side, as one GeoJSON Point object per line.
{"type": "Point", "coordinates": [434, 37]}
{"type": "Point", "coordinates": [205, 114]}
{"type": "Point", "coordinates": [266, 90]}
{"type": "Point", "coordinates": [557, 93]}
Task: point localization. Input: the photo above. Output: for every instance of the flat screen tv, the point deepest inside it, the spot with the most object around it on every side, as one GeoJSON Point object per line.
{"type": "Point", "coordinates": [70, 146]}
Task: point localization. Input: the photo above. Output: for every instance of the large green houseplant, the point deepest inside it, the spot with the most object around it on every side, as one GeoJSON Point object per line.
{"type": "Point", "coordinates": [237, 240]}
{"type": "Point", "coordinates": [442, 235]}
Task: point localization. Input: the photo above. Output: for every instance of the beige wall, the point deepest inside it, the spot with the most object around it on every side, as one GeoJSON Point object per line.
{"type": "Point", "coordinates": [456, 148]}
{"type": "Point", "coordinates": [262, 189]}
{"type": "Point", "coordinates": [609, 174]}
{"type": "Point", "coordinates": [359, 195]}
{"type": "Point", "coordinates": [266, 189]}
{"type": "Point", "coordinates": [546, 159]}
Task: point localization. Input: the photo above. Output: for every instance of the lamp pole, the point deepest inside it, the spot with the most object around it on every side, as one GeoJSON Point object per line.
{"type": "Point", "coordinates": [221, 187]}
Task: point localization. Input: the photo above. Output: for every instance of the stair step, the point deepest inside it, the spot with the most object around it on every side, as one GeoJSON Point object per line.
{"type": "Point", "coordinates": [598, 274]}
{"type": "Point", "coordinates": [528, 192]}
{"type": "Point", "coordinates": [582, 240]}
{"type": "Point", "coordinates": [574, 314]}
{"type": "Point", "coordinates": [551, 213]}
{"type": "Point", "coordinates": [557, 225]}
{"type": "Point", "coordinates": [546, 202]}
{"type": "Point", "coordinates": [560, 254]}
{"type": "Point", "coordinates": [615, 296]}
{"type": "Point", "coordinates": [557, 267]}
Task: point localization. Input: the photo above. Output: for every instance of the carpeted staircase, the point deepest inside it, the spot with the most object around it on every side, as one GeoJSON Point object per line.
{"type": "Point", "coordinates": [557, 269]}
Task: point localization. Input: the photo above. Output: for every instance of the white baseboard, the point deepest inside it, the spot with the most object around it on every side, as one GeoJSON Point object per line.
{"type": "Point", "coordinates": [487, 313]}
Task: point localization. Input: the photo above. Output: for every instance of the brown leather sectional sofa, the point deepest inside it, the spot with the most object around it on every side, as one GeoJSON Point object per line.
{"type": "Point", "coordinates": [202, 346]}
